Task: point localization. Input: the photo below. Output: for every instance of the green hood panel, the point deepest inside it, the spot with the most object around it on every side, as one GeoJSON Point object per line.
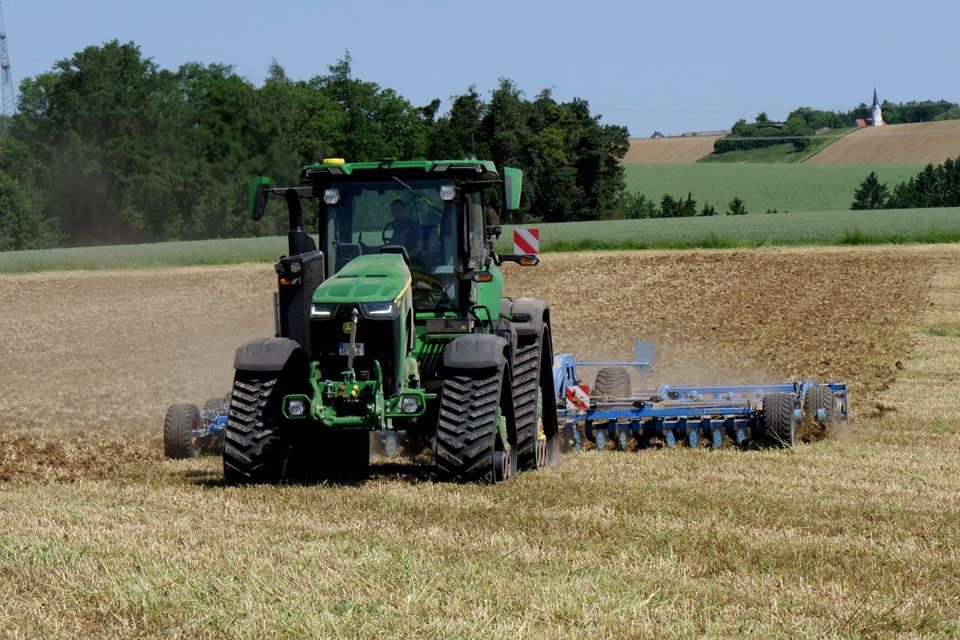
{"type": "Point", "coordinates": [371, 278]}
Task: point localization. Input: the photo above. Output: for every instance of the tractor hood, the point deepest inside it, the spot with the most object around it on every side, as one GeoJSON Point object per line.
{"type": "Point", "coordinates": [371, 278]}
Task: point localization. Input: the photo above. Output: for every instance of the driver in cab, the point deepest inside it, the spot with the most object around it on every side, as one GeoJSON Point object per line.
{"type": "Point", "coordinates": [407, 232]}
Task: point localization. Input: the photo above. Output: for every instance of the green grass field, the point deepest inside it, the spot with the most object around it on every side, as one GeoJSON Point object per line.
{"type": "Point", "coordinates": [780, 153]}
{"type": "Point", "coordinates": [794, 229]}
{"type": "Point", "coordinates": [161, 254]}
{"type": "Point", "coordinates": [784, 187]}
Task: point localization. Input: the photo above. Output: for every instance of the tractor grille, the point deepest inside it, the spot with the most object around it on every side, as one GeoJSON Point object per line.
{"type": "Point", "coordinates": [380, 340]}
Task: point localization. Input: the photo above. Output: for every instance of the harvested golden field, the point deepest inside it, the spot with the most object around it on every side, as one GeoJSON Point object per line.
{"type": "Point", "coordinates": [101, 537]}
{"type": "Point", "coordinates": [918, 143]}
{"type": "Point", "coordinates": [689, 149]}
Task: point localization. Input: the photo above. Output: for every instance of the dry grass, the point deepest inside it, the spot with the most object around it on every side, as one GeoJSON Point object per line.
{"type": "Point", "coordinates": [842, 538]}
{"type": "Point", "coordinates": [688, 149]}
{"type": "Point", "coordinates": [922, 142]}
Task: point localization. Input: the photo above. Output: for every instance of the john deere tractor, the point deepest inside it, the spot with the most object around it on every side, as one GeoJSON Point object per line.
{"type": "Point", "coordinates": [393, 320]}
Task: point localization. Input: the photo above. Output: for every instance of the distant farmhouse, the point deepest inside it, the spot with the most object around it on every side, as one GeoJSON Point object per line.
{"type": "Point", "coordinates": [876, 119]}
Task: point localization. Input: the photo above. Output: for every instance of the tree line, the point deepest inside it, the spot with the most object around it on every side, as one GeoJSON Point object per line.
{"type": "Point", "coordinates": [109, 147]}
{"type": "Point", "coordinates": [634, 206]}
{"type": "Point", "coordinates": [935, 186]}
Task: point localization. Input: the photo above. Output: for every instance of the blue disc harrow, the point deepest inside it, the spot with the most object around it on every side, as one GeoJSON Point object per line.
{"type": "Point", "coordinates": [778, 414]}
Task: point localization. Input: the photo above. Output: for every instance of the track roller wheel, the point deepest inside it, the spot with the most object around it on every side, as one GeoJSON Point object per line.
{"type": "Point", "coordinates": [777, 424]}
{"type": "Point", "coordinates": [180, 425]}
{"type": "Point", "coordinates": [476, 411]}
{"type": "Point", "coordinates": [504, 466]}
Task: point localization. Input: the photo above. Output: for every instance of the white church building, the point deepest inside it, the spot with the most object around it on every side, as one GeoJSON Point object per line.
{"type": "Point", "coordinates": [876, 119]}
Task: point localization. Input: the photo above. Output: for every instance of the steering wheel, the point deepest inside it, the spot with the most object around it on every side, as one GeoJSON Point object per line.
{"type": "Point", "coordinates": [428, 292]}
{"type": "Point", "coordinates": [391, 227]}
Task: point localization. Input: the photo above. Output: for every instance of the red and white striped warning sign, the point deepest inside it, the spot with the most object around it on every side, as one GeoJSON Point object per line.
{"type": "Point", "coordinates": [526, 241]}
{"type": "Point", "coordinates": [578, 397]}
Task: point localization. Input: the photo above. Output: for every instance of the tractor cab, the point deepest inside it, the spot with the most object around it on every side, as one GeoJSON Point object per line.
{"type": "Point", "coordinates": [412, 219]}
{"type": "Point", "coordinates": [432, 213]}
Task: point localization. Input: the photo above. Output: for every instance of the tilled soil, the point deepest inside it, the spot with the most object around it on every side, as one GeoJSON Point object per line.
{"type": "Point", "coordinates": [91, 360]}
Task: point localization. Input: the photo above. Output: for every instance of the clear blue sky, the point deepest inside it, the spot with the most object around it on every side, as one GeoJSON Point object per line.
{"type": "Point", "coordinates": [672, 66]}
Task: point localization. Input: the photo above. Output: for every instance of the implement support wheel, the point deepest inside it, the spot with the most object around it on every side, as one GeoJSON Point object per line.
{"type": "Point", "coordinates": [777, 420]}
{"type": "Point", "coordinates": [819, 399]}
{"type": "Point", "coordinates": [612, 382]}
{"type": "Point", "coordinates": [179, 425]}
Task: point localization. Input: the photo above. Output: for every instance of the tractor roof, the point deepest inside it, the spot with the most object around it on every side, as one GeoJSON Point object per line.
{"type": "Point", "coordinates": [463, 169]}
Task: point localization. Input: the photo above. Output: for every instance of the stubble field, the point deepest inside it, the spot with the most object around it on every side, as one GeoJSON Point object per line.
{"type": "Point", "coordinates": [100, 536]}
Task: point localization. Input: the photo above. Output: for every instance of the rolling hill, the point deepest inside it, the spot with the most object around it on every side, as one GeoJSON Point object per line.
{"type": "Point", "coordinates": [919, 143]}
{"type": "Point", "coordinates": [687, 149]}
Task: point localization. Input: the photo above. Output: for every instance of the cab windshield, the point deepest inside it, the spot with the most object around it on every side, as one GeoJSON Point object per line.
{"type": "Point", "coordinates": [375, 217]}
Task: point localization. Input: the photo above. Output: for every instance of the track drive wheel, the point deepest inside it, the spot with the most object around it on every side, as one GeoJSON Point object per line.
{"type": "Point", "coordinates": [179, 425]}
{"type": "Point", "coordinates": [538, 442]}
{"type": "Point", "coordinates": [254, 448]}
{"type": "Point", "coordinates": [777, 420]}
{"type": "Point", "coordinates": [476, 409]}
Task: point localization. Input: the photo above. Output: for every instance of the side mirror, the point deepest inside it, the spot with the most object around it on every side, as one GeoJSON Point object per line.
{"type": "Point", "coordinates": [257, 198]}
{"type": "Point", "coordinates": [512, 183]}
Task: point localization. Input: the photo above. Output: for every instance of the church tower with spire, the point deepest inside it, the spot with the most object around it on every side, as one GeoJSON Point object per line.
{"type": "Point", "coordinates": [877, 119]}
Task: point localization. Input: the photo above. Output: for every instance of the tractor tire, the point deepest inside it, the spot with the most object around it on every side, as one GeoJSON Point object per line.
{"type": "Point", "coordinates": [612, 382]}
{"type": "Point", "coordinates": [254, 450]}
{"type": "Point", "coordinates": [468, 446]}
{"type": "Point", "coordinates": [777, 420]}
{"type": "Point", "coordinates": [179, 424]}
{"type": "Point", "coordinates": [217, 403]}
{"type": "Point", "coordinates": [820, 397]}
{"type": "Point", "coordinates": [534, 405]}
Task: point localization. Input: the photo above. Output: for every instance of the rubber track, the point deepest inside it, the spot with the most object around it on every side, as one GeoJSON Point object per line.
{"type": "Point", "coordinates": [250, 450]}
{"type": "Point", "coordinates": [467, 427]}
{"type": "Point", "coordinates": [526, 382]}
{"type": "Point", "coordinates": [778, 419]}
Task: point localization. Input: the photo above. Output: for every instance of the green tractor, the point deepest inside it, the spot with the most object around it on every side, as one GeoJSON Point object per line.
{"type": "Point", "coordinates": [394, 321]}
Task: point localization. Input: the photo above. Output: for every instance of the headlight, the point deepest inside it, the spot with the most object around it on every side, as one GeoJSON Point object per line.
{"type": "Point", "coordinates": [296, 407]}
{"type": "Point", "coordinates": [409, 404]}
{"type": "Point", "coordinates": [331, 196]}
{"type": "Point", "coordinates": [323, 311]}
{"type": "Point", "coordinates": [380, 310]}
